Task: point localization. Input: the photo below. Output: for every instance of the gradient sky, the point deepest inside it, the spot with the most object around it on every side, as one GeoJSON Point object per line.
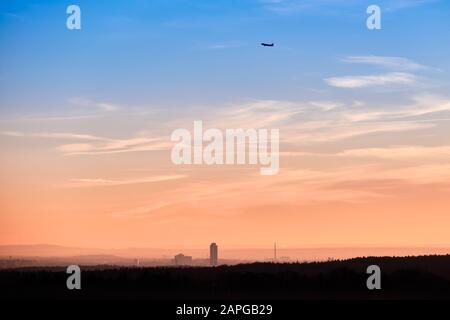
{"type": "Point", "coordinates": [86, 117]}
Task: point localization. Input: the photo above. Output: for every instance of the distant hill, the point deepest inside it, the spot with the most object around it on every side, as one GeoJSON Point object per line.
{"type": "Point", "coordinates": [45, 250]}
{"type": "Point", "coordinates": [259, 254]}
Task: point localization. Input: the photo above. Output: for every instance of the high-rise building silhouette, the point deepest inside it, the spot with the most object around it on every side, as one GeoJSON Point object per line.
{"type": "Point", "coordinates": [213, 254]}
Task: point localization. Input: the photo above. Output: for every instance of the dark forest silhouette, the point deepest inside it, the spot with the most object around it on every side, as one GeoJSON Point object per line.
{"type": "Point", "coordinates": [402, 278]}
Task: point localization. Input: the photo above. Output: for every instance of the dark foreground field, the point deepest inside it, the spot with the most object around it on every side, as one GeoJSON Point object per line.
{"type": "Point", "coordinates": [426, 277]}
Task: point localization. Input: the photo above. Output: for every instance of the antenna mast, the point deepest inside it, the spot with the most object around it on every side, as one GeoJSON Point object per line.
{"type": "Point", "coordinates": [274, 251]}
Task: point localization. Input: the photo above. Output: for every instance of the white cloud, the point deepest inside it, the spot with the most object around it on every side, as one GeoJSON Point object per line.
{"type": "Point", "coordinates": [50, 118]}
{"type": "Point", "coordinates": [397, 63]}
{"type": "Point", "coordinates": [221, 46]}
{"type": "Point", "coordinates": [104, 106]}
{"type": "Point", "coordinates": [326, 105]}
{"type": "Point", "coordinates": [394, 5]}
{"type": "Point", "coordinates": [88, 182]}
{"type": "Point", "coordinates": [372, 80]}
{"type": "Point", "coordinates": [143, 210]}
{"type": "Point", "coordinates": [423, 104]}
{"type": "Point", "coordinates": [338, 132]}
{"type": "Point", "coordinates": [253, 114]}
{"type": "Point", "coordinates": [97, 145]}
{"type": "Point", "coordinates": [116, 146]}
{"type": "Point", "coordinates": [55, 135]}
{"type": "Point", "coordinates": [302, 123]}
{"type": "Point", "coordinates": [325, 6]}
{"type": "Point", "coordinates": [400, 152]}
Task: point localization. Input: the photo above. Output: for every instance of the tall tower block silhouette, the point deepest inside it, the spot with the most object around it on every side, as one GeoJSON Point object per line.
{"type": "Point", "coordinates": [213, 254]}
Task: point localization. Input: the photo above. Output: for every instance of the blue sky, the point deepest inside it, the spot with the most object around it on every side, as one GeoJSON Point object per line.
{"type": "Point", "coordinates": [184, 52]}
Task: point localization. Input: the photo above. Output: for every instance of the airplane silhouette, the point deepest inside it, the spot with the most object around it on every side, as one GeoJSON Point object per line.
{"type": "Point", "coordinates": [267, 44]}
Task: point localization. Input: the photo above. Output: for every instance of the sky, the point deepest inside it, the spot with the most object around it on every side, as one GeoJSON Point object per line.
{"type": "Point", "coordinates": [86, 118]}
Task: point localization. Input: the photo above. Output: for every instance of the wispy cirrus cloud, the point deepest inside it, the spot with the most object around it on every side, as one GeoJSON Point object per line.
{"type": "Point", "coordinates": [55, 135]}
{"type": "Point", "coordinates": [294, 6]}
{"type": "Point", "coordinates": [326, 105]}
{"type": "Point", "coordinates": [307, 123]}
{"type": "Point", "coordinates": [116, 146]}
{"type": "Point", "coordinates": [400, 152]}
{"type": "Point", "coordinates": [294, 186]}
{"type": "Point", "coordinates": [32, 118]}
{"type": "Point", "coordinates": [364, 81]}
{"type": "Point", "coordinates": [86, 144]}
{"type": "Point", "coordinates": [262, 113]}
{"type": "Point", "coordinates": [100, 105]}
{"type": "Point", "coordinates": [142, 211]}
{"type": "Point", "coordinates": [100, 182]}
{"type": "Point", "coordinates": [224, 45]}
{"type": "Point", "coordinates": [397, 63]}
{"type": "Point", "coordinates": [405, 4]}
{"type": "Point", "coordinates": [218, 46]}
{"type": "Point", "coordinates": [423, 104]}
{"type": "Point", "coordinates": [252, 114]}
{"type": "Point", "coordinates": [350, 120]}
{"type": "Point", "coordinates": [342, 131]}
{"type": "Point", "coordinates": [302, 123]}
{"type": "Point", "coordinates": [298, 6]}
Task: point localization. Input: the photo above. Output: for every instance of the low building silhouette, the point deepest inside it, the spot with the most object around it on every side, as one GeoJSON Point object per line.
{"type": "Point", "coordinates": [182, 260]}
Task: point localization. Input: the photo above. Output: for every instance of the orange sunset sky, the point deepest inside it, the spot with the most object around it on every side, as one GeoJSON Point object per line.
{"type": "Point", "coordinates": [86, 119]}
